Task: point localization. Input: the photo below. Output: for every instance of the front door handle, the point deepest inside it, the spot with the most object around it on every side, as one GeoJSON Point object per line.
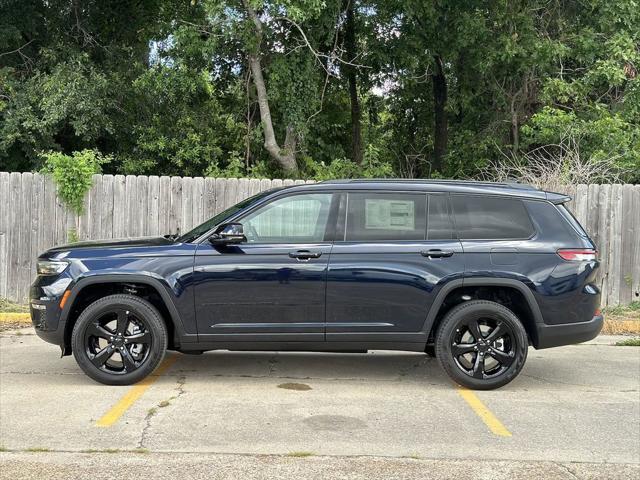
{"type": "Point", "coordinates": [304, 254]}
{"type": "Point", "coordinates": [436, 253]}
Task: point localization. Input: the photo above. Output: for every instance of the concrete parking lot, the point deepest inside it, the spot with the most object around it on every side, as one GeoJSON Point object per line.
{"type": "Point", "coordinates": [574, 412]}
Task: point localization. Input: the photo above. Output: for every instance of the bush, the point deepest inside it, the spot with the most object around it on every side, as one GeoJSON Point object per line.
{"type": "Point", "coordinates": [74, 174]}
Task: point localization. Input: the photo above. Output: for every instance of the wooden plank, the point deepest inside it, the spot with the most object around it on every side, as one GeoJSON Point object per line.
{"type": "Point", "coordinates": [47, 217]}
{"type": "Point", "coordinates": [254, 187]}
{"type": "Point", "coordinates": [132, 225]}
{"type": "Point", "coordinates": [164, 205]}
{"type": "Point", "coordinates": [153, 202]}
{"type": "Point", "coordinates": [615, 246]}
{"type": "Point", "coordinates": [581, 203]}
{"type": "Point", "coordinates": [265, 184]}
{"type": "Point", "coordinates": [221, 189]}
{"type": "Point", "coordinates": [5, 196]}
{"type": "Point", "coordinates": [627, 242]}
{"type": "Point", "coordinates": [592, 214]}
{"type": "Point", "coordinates": [604, 230]}
{"type": "Point", "coordinates": [107, 207]}
{"type": "Point", "coordinates": [635, 255]}
{"type": "Point", "coordinates": [37, 200]}
{"type": "Point", "coordinates": [209, 197]}
{"type": "Point", "coordinates": [231, 192]}
{"type": "Point", "coordinates": [119, 206]}
{"type": "Point", "coordinates": [186, 215]}
{"type": "Point", "coordinates": [243, 189]}
{"type": "Point", "coordinates": [14, 238]}
{"type": "Point", "coordinates": [198, 201]}
{"type": "Point", "coordinates": [175, 206]}
{"type": "Point", "coordinates": [142, 188]}
{"type": "Point", "coordinates": [24, 252]}
{"type": "Point", "coordinates": [95, 199]}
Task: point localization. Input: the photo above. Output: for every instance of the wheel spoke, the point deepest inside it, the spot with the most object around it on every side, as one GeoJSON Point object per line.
{"type": "Point", "coordinates": [97, 330]}
{"type": "Point", "coordinates": [100, 358]}
{"type": "Point", "coordinates": [497, 332]}
{"type": "Point", "coordinates": [478, 367]}
{"type": "Point", "coordinates": [123, 322]}
{"type": "Point", "coordinates": [474, 329]}
{"type": "Point", "coordinates": [458, 349]}
{"type": "Point", "coordinates": [503, 358]}
{"type": "Point", "coordinates": [127, 360]}
{"type": "Point", "coordinates": [142, 337]}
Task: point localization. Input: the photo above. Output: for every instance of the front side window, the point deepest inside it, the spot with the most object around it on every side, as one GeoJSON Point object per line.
{"type": "Point", "coordinates": [491, 218]}
{"type": "Point", "coordinates": [292, 219]}
{"type": "Point", "coordinates": [386, 216]}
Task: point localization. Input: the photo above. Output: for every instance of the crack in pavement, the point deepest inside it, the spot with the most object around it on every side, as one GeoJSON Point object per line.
{"type": "Point", "coordinates": [272, 364]}
{"type": "Point", "coordinates": [567, 469]}
{"type": "Point", "coordinates": [182, 379]}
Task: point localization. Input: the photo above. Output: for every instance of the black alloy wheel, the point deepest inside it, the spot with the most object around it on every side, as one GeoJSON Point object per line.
{"type": "Point", "coordinates": [481, 345]}
{"type": "Point", "coordinates": [119, 339]}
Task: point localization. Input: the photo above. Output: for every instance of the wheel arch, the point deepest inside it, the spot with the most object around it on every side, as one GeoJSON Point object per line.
{"type": "Point", "coordinates": [530, 315]}
{"type": "Point", "coordinates": [167, 308]}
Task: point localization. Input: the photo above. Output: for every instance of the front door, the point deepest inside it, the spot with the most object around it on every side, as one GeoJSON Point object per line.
{"type": "Point", "coordinates": [272, 287]}
{"type": "Point", "coordinates": [392, 254]}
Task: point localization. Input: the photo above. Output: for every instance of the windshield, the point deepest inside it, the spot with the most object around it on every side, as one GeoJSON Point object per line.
{"type": "Point", "coordinates": [219, 218]}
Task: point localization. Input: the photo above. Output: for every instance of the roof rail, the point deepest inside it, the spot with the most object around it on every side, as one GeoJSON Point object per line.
{"type": "Point", "coordinates": [508, 184]}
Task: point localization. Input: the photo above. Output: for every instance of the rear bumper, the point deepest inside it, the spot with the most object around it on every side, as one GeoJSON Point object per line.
{"type": "Point", "coordinates": [568, 333]}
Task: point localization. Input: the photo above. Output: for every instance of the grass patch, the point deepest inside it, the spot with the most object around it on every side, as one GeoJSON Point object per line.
{"type": "Point", "coordinates": [152, 411]}
{"type": "Point", "coordinates": [38, 449]}
{"type": "Point", "coordinates": [110, 450]}
{"type": "Point", "coordinates": [301, 454]}
{"type": "Point", "coordinates": [164, 403]}
{"type": "Point", "coordinates": [3, 449]}
{"type": "Point", "coordinates": [140, 450]}
{"type": "Point", "coordinates": [629, 342]}
{"type": "Point", "coordinates": [9, 307]}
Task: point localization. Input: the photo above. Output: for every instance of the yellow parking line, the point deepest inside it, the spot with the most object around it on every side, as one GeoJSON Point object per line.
{"type": "Point", "coordinates": [134, 394]}
{"type": "Point", "coordinates": [490, 420]}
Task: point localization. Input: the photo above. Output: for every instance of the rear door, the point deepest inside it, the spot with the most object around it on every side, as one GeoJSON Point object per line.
{"type": "Point", "coordinates": [393, 252]}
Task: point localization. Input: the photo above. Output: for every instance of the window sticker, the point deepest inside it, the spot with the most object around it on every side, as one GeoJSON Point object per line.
{"type": "Point", "coordinates": [383, 214]}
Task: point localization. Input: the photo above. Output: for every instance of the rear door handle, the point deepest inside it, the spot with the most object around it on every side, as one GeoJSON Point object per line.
{"type": "Point", "coordinates": [436, 253]}
{"type": "Point", "coordinates": [304, 254]}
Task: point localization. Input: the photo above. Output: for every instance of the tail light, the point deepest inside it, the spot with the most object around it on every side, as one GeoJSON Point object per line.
{"type": "Point", "coordinates": [578, 254]}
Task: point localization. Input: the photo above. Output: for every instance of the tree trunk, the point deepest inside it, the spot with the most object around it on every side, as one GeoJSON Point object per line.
{"type": "Point", "coordinates": [440, 115]}
{"type": "Point", "coordinates": [356, 116]}
{"type": "Point", "coordinates": [284, 157]}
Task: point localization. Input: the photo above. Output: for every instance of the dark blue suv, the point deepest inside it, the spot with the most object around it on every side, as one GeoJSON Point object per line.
{"type": "Point", "coordinates": [470, 272]}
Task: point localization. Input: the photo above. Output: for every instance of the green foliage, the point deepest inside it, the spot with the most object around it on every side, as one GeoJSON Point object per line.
{"type": "Point", "coordinates": [73, 174]}
{"type": "Point", "coordinates": [162, 86]}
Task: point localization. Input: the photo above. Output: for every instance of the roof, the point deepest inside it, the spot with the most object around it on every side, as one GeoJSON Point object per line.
{"type": "Point", "coordinates": [453, 186]}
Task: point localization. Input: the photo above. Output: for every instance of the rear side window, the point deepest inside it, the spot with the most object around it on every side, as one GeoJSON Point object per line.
{"type": "Point", "coordinates": [566, 213]}
{"type": "Point", "coordinates": [439, 221]}
{"type": "Point", "coordinates": [491, 218]}
{"type": "Point", "coordinates": [386, 216]}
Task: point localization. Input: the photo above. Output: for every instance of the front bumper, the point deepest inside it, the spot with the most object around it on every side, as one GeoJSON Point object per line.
{"type": "Point", "coordinates": [568, 333]}
{"type": "Point", "coordinates": [45, 316]}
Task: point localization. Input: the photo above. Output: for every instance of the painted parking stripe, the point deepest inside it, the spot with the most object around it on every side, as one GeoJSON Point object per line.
{"type": "Point", "coordinates": [134, 393]}
{"type": "Point", "coordinates": [480, 409]}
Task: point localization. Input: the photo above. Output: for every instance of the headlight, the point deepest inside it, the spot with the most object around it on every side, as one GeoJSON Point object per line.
{"type": "Point", "coordinates": [51, 267]}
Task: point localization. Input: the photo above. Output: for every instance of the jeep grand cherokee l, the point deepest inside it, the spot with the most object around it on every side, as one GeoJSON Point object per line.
{"type": "Point", "coordinates": [471, 272]}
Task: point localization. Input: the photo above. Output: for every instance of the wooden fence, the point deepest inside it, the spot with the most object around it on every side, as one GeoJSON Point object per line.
{"type": "Point", "coordinates": [33, 218]}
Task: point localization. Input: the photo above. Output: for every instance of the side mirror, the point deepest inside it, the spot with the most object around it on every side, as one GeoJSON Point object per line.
{"type": "Point", "coordinates": [228, 234]}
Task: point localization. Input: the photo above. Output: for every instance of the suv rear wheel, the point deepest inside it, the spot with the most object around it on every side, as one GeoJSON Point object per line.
{"type": "Point", "coordinates": [481, 345]}
{"type": "Point", "coordinates": [119, 339]}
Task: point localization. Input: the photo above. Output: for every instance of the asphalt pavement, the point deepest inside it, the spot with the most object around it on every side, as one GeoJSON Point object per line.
{"type": "Point", "coordinates": [574, 412]}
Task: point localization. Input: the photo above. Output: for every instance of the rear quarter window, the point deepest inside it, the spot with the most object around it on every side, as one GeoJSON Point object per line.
{"type": "Point", "coordinates": [491, 218]}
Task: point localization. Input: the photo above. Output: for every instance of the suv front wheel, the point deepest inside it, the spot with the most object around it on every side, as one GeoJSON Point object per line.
{"type": "Point", "coordinates": [119, 339]}
{"type": "Point", "coordinates": [481, 345]}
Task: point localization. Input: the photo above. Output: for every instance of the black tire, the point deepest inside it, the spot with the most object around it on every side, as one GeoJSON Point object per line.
{"type": "Point", "coordinates": [499, 338]}
{"type": "Point", "coordinates": [124, 327]}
